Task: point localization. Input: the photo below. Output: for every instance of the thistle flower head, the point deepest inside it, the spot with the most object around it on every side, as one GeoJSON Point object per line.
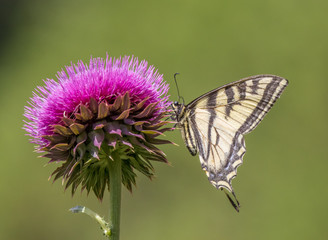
{"type": "Point", "coordinates": [96, 109]}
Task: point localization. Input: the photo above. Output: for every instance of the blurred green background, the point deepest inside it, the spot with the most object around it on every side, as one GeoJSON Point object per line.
{"type": "Point", "coordinates": [282, 183]}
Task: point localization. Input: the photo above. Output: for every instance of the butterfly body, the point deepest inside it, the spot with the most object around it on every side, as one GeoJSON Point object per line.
{"type": "Point", "coordinates": [214, 124]}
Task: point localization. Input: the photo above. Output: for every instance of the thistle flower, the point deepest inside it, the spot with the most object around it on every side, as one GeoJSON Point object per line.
{"type": "Point", "coordinates": [112, 106]}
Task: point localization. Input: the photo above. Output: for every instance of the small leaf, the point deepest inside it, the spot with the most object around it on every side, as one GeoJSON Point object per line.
{"type": "Point", "coordinates": [135, 142]}
{"type": "Point", "coordinates": [103, 110]}
{"type": "Point", "coordinates": [113, 128]}
{"type": "Point", "coordinates": [55, 138]}
{"type": "Point", "coordinates": [128, 121]}
{"type": "Point", "coordinates": [77, 128]}
{"type": "Point", "coordinates": [56, 155]}
{"type": "Point", "coordinates": [93, 104]}
{"type": "Point", "coordinates": [78, 116]}
{"type": "Point", "coordinates": [128, 132]}
{"type": "Point", "coordinates": [137, 123]}
{"type": "Point", "coordinates": [152, 132]}
{"type": "Point", "coordinates": [160, 141]}
{"type": "Point", "coordinates": [148, 110]}
{"type": "Point", "coordinates": [165, 129]}
{"type": "Point", "coordinates": [86, 113]}
{"type": "Point", "coordinates": [81, 138]}
{"type": "Point", "coordinates": [64, 131]}
{"type": "Point", "coordinates": [140, 104]}
{"type": "Point", "coordinates": [123, 115]}
{"type": "Point", "coordinates": [99, 125]}
{"type": "Point", "coordinates": [126, 143]}
{"type": "Point", "coordinates": [125, 102]}
{"type": "Point", "coordinates": [79, 141]}
{"type": "Point", "coordinates": [61, 147]}
{"type": "Point", "coordinates": [97, 137]}
{"type": "Point", "coordinates": [116, 105]}
{"type": "Point", "coordinates": [80, 149]}
{"type": "Point", "coordinates": [93, 151]}
{"type": "Point", "coordinates": [67, 121]}
{"type": "Point", "coordinates": [112, 139]}
{"type": "Point", "coordinates": [157, 125]}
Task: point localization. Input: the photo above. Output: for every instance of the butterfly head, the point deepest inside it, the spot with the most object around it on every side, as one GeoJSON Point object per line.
{"type": "Point", "coordinates": [177, 107]}
{"type": "Point", "coordinates": [177, 111]}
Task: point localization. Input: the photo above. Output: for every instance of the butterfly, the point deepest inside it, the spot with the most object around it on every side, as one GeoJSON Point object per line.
{"type": "Point", "coordinates": [215, 123]}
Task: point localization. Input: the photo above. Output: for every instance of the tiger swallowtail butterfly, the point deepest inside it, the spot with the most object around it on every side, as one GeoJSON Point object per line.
{"type": "Point", "coordinates": [215, 123]}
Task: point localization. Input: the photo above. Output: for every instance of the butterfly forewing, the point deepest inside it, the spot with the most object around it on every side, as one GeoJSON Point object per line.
{"type": "Point", "coordinates": [214, 123]}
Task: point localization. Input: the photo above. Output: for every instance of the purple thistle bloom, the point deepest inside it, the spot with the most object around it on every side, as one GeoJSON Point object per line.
{"type": "Point", "coordinates": [93, 110]}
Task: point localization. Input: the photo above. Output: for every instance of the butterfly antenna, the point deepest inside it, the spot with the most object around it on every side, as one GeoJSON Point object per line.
{"type": "Point", "coordinates": [176, 83]}
{"type": "Point", "coordinates": [235, 203]}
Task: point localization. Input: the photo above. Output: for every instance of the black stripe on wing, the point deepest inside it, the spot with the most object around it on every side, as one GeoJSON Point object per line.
{"type": "Point", "coordinates": [271, 93]}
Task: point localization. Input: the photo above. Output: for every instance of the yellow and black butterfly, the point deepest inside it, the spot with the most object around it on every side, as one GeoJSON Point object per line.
{"type": "Point", "coordinates": [214, 124]}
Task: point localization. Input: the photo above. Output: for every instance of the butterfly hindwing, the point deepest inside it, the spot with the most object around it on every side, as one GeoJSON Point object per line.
{"type": "Point", "coordinates": [189, 138]}
{"type": "Point", "coordinates": [220, 147]}
{"type": "Point", "coordinates": [214, 123]}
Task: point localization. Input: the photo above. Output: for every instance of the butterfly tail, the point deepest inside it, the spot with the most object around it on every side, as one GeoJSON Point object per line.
{"type": "Point", "coordinates": [234, 202]}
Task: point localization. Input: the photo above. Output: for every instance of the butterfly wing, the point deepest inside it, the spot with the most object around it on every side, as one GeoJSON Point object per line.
{"type": "Point", "coordinates": [215, 123]}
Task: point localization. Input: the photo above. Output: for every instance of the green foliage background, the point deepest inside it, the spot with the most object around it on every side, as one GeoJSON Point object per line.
{"type": "Point", "coordinates": [282, 183]}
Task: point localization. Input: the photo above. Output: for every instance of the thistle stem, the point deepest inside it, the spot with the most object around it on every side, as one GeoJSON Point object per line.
{"type": "Point", "coordinates": [115, 182]}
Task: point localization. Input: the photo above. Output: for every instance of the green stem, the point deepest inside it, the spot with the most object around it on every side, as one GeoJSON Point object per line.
{"type": "Point", "coordinates": [115, 182]}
